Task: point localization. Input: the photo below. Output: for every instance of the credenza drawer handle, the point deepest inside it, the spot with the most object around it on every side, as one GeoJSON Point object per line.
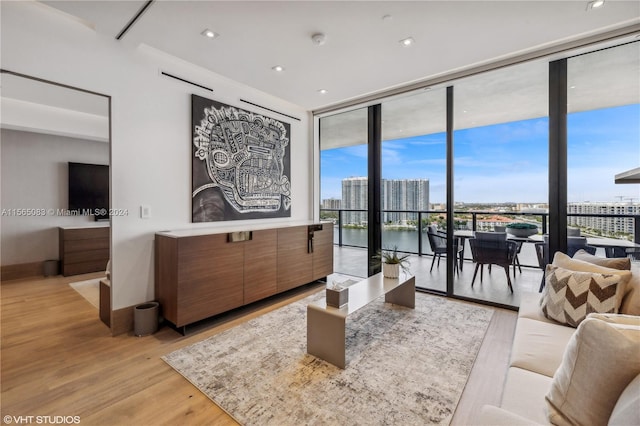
{"type": "Point", "coordinates": [234, 237]}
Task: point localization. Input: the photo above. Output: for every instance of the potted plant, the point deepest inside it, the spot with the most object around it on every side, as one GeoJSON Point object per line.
{"type": "Point", "coordinates": [522, 229]}
{"type": "Point", "coordinates": [392, 262]}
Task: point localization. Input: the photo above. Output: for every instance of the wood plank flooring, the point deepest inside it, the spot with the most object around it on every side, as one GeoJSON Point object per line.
{"type": "Point", "coordinates": [59, 359]}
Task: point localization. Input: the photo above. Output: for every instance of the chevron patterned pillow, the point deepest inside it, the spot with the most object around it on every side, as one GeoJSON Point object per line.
{"type": "Point", "coordinates": [569, 296]}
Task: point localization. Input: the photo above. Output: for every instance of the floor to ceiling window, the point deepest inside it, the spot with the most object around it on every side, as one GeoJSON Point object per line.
{"type": "Point", "coordinates": [603, 139]}
{"type": "Point", "coordinates": [414, 180]}
{"type": "Point", "coordinates": [343, 187]}
{"type": "Point", "coordinates": [507, 150]}
{"type": "Point", "coordinates": [500, 176]}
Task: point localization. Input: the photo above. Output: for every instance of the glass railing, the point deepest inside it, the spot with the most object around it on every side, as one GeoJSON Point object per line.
{"type": "Point", "coordinates": [410, 233]}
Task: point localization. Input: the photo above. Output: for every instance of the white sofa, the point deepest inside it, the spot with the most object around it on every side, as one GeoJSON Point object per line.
{"type": "Point", "coordinates": [537, 352]}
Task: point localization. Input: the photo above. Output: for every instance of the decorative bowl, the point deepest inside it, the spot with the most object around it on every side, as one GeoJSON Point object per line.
{"type": "Point", "coordinates": [522, 232]}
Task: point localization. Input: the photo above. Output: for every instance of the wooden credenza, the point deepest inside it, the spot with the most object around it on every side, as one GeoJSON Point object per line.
{"type": "Point", "coordinates": [83, 249]}
{"type": "Point", "coordinates": [199, 274]}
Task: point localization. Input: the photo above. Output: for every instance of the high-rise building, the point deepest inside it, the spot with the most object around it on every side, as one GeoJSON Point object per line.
{"type": "Point", "coordinates": [406, 195]}
{"type": "Point", "coordinates": [331, 203]}
{"type": "Point", "coordinates": [354, 197]}
{"type": "Point", "coordinates": [397, 194]}
{"type": "Point", "coordinates": [608, 225]}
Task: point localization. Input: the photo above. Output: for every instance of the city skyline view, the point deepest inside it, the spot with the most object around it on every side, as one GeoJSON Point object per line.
{"type": "Point", "coordinates": [506, 162]}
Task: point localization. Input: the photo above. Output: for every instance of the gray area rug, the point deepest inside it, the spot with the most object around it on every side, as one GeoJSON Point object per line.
{"type": "Point", "coordinates": [404, 366]}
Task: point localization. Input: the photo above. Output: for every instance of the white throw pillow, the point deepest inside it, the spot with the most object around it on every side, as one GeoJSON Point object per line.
{"type": "Point", "coordinates": [599, 362]}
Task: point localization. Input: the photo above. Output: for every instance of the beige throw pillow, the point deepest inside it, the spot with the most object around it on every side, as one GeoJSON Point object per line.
{"type": "Point", "coordinates": [562, 260]}
{"type": "Point", "coordinates": [615, 262]}
{"type": "Point", "coordinates": [569, 296]}
{"type": "Point", "coordinates": [599, 362]}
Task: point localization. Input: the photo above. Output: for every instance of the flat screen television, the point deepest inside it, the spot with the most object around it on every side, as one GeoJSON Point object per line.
{"type": "Point", "coordinates": [89, 189]}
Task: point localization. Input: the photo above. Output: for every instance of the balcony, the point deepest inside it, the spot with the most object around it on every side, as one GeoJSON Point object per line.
{"type": "Point", "coordinates": [350, 254]}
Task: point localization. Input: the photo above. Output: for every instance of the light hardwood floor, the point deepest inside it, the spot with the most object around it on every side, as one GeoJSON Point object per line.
{"type": "Point", "coordinates": [58, 359]}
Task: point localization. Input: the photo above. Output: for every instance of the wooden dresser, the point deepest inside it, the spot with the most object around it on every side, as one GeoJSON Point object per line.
{"type": "Point", "coordinates": [201, 273]}
{"type": "Point", "coordinates": [83, 249]}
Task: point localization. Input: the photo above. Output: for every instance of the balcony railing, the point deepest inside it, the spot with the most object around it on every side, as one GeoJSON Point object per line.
{"type": "Point", "coordinates": [476, 222]}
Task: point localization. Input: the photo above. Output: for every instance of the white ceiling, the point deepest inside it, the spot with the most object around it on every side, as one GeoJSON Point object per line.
{"type": "Point", "coordinates": [362, 54]}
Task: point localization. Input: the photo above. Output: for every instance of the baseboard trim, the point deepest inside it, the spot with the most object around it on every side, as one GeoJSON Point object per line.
{"type": "Point", "coordinates": [122, 320]}
{"type": "Point", "coordinates": [21, 270]}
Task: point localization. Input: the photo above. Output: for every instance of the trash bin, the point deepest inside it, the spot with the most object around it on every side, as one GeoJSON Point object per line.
{"type": "Point", "coordinates": [50, 268]}
{"type": "Point", "coordinates": [145, 318]}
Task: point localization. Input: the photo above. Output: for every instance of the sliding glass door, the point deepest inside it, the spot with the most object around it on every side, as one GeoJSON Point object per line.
{"type": "Point", "coordinates": [344, 186]}
{"type": "Point", "coordinates": [414, 148]}
{"type": "Point", "coordinates": [500, 170]}
{"type": "Point", "coordinates": [603, 139]}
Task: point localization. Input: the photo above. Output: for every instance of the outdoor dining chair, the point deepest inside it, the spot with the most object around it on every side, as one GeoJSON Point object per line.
{"type": "Point", "coordinates": [576, 243]}
{"type": "Point", "coordinates": [492, 248]}
{"type": "Point", "coordinates": [438, 243]}
{"type": "Point", "coordinates": [543, 259]}
{"type": "Point", "coordinates": [573, 245]}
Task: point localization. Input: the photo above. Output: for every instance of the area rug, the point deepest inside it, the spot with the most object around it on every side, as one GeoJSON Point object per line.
{"type": "Point", "coordinates": [404, 366]}
{"type": "Point", "coordinates": [89, 289]}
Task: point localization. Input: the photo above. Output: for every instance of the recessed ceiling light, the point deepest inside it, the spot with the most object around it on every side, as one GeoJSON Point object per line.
{"type": "Point", "coordinates": [209, 33]}
{"type": "Point", "coordinates": [595, 4]}
{"type": "Point", "coordinates": [322, 91]}
{"type": "Point", "coordinates": [407, 41]}
{"type": "Point", "coordinates": [278, 68]}
{"type": "Point", "coordinates": [387, 18]}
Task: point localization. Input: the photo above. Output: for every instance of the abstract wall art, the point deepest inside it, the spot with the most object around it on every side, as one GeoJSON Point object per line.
{"type": "Point", "coordinates": [241, 163]}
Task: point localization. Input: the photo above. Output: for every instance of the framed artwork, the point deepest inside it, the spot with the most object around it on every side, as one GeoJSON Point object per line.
{"type": "Point", "coordinates": [241, 164]}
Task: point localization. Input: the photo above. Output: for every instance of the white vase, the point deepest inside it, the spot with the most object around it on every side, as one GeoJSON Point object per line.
{"type": "Point", "coordinates": [391, 270]}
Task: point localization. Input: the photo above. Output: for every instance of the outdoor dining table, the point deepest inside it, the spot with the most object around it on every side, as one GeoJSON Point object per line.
{"type": "Point", "coordinates": [608, 244]}
{"type": "Point", "coordinates": [465, 234]}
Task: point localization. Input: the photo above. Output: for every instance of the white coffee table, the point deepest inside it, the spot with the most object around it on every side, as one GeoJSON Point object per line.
{"type": "Point", "coordinates": [326, 324]}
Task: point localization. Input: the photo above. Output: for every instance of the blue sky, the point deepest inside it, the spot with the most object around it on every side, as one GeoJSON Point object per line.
{"type": "Point", "coordinates": [507, 162]}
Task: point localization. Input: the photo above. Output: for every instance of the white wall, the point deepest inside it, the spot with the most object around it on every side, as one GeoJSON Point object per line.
{"type": "Point", "coordinates": [151, 146]}
{"type": "Point", "coordinates": [35, 176]}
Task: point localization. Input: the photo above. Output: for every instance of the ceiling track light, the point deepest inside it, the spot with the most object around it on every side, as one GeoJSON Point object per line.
{"type": "Point", "coordinates": [595, 4]}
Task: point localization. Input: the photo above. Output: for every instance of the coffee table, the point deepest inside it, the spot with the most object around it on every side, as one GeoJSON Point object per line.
{"type": "Point", "coordinates": [326, 325]}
